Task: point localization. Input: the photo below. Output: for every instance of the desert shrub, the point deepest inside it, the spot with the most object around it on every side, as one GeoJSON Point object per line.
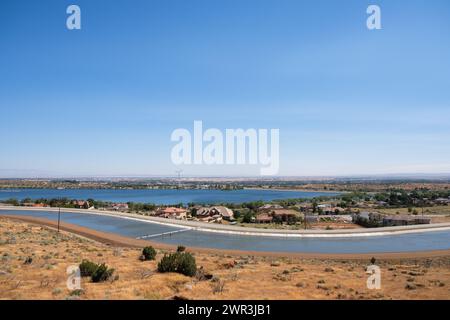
{"type": "Point", "coordinates": [149, 253]}
{"type": "Point", "coordinates": [181, 262]}
{"type": "Point", "coordinates": [187, 265]}
{"type": "Point", "coordinates": [168, 263]}
{"type": "Point", "coordinates": [181, 248]}
{"type": "Point", "coordinates": [87, 268]}
{"type": "Point", "coordinates": [102, 273]}
{"type": "Point", "coordinates": [217, 287]}
{"type": "Point", "coordinates": [56, 291]}
{"type": "Point", "coordinates": [77, 292]}
{"type": "Point", "coordinates": [202, 275]}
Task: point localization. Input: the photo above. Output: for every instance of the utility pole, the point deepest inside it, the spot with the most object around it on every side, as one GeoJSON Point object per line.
{"type": "Point", "coordinates": [179, 177]}
{"type": "Point", "coordinates": [306, 214]}
{"type": "Point", "coordinates": [59, 216]}
{"type": "Point", "coordinates": [423, 204]}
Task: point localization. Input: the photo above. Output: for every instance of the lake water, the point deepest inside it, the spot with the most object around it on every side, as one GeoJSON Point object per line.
{"type": "Point", "coordinates": [161, 196]}
{"type": "Point", "coordinates": [434, 240]}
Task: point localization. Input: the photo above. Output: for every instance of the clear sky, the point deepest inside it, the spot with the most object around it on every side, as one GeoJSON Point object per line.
{"type": "Point", "coordinates": [105, 99]}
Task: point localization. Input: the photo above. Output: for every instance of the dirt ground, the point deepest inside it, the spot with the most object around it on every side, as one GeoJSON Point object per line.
{"type": "Point", "coordinates": [330, 225]}
{"type": "Point", "coordinates": [231, 276]}
{"type": "Point", "coordinates": [438, 214]}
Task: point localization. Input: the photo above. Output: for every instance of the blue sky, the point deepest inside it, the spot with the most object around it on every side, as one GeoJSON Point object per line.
{"type": "Point", "coordinates": [104, 100]}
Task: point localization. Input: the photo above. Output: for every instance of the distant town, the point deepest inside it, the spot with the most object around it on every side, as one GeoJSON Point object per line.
{"type": "Point", "coordinates": [364, 184]}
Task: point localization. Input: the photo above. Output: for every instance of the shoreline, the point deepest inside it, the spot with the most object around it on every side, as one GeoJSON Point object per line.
{"type": "Point", "coordinates": [298, 190]}
{"type": "Point", "coordinates": [131, 188]}
{"type": "Point", "coordinates": [121, 241]}
{"type": "Point", "coordinates": [238, 230]}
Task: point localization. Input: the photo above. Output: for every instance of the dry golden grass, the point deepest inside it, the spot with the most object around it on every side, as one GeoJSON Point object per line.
{"type": "Point", "coordinates": [234, 277]}
{"type": "Point", "coordinates": [438, 214]}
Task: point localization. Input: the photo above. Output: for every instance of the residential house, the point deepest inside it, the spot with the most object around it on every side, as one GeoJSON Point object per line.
{"type": "Point", "coordinates": [331, 210]}
{"type": "Point", "coordinates": [368, 219]}
{"type": "Point", "coordinates": [442, 201]}
{"type": "Point", "coordinates": [216, 213]}
{"type": "Point", "coordinates": [82, 204]}
{"type": "Point", "coordinates": [311, 218]}
{"type": "Point", "coordinates": [172, 213]}
{"type": "Point", "coordinates": [324, 206]}
{"type": "Point", "coordinates": [305, 207]}
{"type": "Point", "coordinates": [39, 205]}
{"type": "Point", "coordinates": [120, 206]}
{"type": "Point", "coordinates": [285, 215]}
{"type": "Point", "coordinates": [382, 203]}
{"type": "Point", "coordinates": [404, 220]}
{"type": "Point", "coordinates": [328, 208]}
{"type": "Point", "coordinates": [269, 207]}
{"type": "Point", "coordinates": [28, 204]}
{"type": "Point", "coordinates": [264, 218]}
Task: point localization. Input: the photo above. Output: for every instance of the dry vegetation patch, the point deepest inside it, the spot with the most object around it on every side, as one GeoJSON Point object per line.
{"type": "Point", "coordinates": [34, 259]}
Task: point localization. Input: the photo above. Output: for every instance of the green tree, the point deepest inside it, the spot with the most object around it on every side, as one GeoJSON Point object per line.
{"type": "Point", "coordinates": [247, 218]}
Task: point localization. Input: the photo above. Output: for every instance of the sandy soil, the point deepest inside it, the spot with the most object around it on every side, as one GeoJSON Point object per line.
{"type": "Point", "coordinates": [235, 276]}
{"type": "Point", "coordinates": [438, 214]}
{"type": "Point", "coordinates": [325, 225]}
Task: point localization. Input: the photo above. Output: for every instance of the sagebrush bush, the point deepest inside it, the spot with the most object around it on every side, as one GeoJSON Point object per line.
{"type": "Point", "coordinates": [168, 263]}
{"type": "Point", "coordinates": [87, 268]}
{"type": "Point", "coordinates": [149, 253]}
{"type": "Point", "coordinates": [98, 273]}
{"type": "Point", "coordinates": [187, 265]}
{"type": "Point", "coordinates": [102, 273]}
{"type": "Point", "coordinates": [181, 262]}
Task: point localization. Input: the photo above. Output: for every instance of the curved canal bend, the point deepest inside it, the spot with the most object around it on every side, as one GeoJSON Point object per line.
{"type": "Point", "coordinates": [410, 242]}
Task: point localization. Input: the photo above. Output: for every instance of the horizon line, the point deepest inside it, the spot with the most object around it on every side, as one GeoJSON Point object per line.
{"type": "Point", "coordinates": [187, 176]}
